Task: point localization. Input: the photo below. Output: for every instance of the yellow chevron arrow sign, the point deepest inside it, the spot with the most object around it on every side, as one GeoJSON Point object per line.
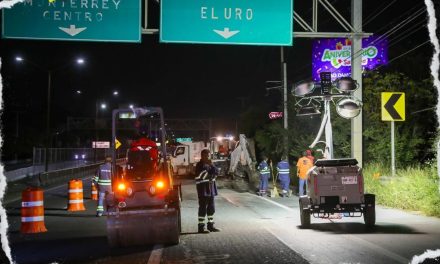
{"type": "Point", "coordinates": [117, 143]}
{"type": "Point", "coordinates": [393, 106]}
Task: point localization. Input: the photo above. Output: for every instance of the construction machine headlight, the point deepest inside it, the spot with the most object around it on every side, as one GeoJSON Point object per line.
{"type": "Point", "coordinates": [121, 186]}
{"type": "Point", "coordinates": [160, 184]}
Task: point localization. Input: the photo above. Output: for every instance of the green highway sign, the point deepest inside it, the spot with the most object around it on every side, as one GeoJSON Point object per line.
{"type": "Point", "coordinates": [246, 22]}
{"type": "Point", "coordinates": [183, 139]}
{"type": "Point", "coordinates": [79, 20]}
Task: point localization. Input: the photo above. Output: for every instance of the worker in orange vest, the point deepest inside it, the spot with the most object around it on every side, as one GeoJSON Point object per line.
{"type": "Point", "coordinates": [303, 165]}
{"type": "Point", "coordinates": [309, 155]}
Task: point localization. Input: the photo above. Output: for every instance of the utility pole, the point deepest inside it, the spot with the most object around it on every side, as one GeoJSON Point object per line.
{"type": "Point", "coordinates": [356, 74]}
{"type": "Point", "coordinates": [286, 126]}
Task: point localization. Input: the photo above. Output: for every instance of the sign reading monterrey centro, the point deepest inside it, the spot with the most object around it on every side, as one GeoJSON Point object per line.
{"type": "Point", "coordinates": [81, 20]}
{"type": "Point", "coordinates": [334, 55]}
{"type": "Point", "coordinates": [255, 22]}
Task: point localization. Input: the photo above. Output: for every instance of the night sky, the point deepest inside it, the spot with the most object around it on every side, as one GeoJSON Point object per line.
{"type": "Point", "coordinates": [187, 80]}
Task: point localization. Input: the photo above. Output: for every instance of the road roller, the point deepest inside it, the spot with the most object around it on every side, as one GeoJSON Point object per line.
{"type": "Point", "coordinates": [144, 205]}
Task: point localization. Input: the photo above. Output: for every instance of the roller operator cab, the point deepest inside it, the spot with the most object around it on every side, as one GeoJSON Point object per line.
{"type": "Point", "coordinates": [144, 207]}
{"type": "Point", "coordinates": [336, 186]}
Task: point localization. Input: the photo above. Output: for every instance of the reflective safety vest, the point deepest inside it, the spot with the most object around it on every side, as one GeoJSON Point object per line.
{"type": "Point", "coordinates": [205, 180]}
{"type": "Point", "coordinates": [263, 168]}
{"type": "Point", "coordinates": [104, 178]}
{"type": "Point", "coordinates": [283, 168]}
{"type": "Point", "coordinates": [207, 173]}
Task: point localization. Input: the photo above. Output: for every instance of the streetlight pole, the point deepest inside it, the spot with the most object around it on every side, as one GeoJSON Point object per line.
{"type": "Point", "coordinates": [99, 104]}
{"type": "Point", "coordinates": [96, 131]}
{"type": "Point", "coordinates": [48, 137]}
{"type": "Point", "coordinates": [48, 141]}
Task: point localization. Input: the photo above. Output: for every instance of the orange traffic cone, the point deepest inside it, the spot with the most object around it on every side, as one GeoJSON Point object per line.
{"type": "Point", "coordinates": [32, 211]}
{"type": "Point", "coordinates": [76, 202]}
{"type": "Point", "coordinates": [94, 192]}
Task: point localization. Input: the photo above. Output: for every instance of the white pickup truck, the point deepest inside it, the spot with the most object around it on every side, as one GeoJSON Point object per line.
{"type": "Point", "coordinates": [185, 156]}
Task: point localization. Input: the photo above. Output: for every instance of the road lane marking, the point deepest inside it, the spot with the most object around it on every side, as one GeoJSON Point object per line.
{"type": "Point", "coordinates": [230, 201]}
{"type": "Point", "coordinates": [277, 204]}
{"type": "Point", "coordinates": [398, 258]}
{"type": "Point", "coordinates": [156, 254]}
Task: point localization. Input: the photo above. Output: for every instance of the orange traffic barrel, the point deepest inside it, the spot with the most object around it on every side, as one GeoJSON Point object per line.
{"type": "Point", "coordinates": [76, 202]}
{"type": "Point", "coordinates": [32, 211]}
{"type": "Point", "coordinates": [94, 192]}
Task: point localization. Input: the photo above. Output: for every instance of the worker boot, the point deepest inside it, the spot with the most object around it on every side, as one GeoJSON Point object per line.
{"type": "Point", "coordinates": [202, 229]}
{"type": "Point", "coordinates": [99, 214]}
{"type": "Point", "coordinates": [212, 228]}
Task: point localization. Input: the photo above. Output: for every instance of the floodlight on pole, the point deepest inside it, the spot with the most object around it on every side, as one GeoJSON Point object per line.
{"type": "Point", "coordinates": [115, 93]}
{"type": "Point", "coordinates": [103, 105]}
{"type": "Point", "coordinates": [348, 107]}
{"type": "Point", "coordinates": [308, 111]}
{"type": "Point", "coordinates": [346, 85]}
{"type": "Point", "coordinates": [303, 89]}
{"type": "Point", "coordinates": [19, 59]}
{"type": "Point", "coordinates": [80, 61]}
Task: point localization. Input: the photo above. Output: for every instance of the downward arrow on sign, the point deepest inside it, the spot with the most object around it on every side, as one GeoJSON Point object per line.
{"type": "Point", "coordinates": [389, 106]}
{"type": "Point", "coordinates": [226, 33]}
{"type": "Point", "coordinates": [72, 30]}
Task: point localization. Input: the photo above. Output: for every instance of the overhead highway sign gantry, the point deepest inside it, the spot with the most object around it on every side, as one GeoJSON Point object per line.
{"type": "Point", "coordinates": [78, 20]}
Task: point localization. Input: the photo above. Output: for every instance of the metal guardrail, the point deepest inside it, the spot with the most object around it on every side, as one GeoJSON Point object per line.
{"type": "Point", "coordinates": [65, 175]}
{"type": "Point", "coordinates": [62, 176]}
{"type": "Point", "coordinates": [60, 155]}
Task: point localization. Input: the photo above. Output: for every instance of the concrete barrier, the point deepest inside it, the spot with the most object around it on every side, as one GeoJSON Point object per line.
{"type": "Point", "coordinates": [18, 174]}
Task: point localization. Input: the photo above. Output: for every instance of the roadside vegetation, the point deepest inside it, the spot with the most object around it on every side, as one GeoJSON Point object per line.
{"type": "Point", "coordinates": [413, 188]}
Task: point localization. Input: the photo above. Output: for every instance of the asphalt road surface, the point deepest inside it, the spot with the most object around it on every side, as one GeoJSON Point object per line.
{"type": "Point", "coordinates": [254, 230]}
